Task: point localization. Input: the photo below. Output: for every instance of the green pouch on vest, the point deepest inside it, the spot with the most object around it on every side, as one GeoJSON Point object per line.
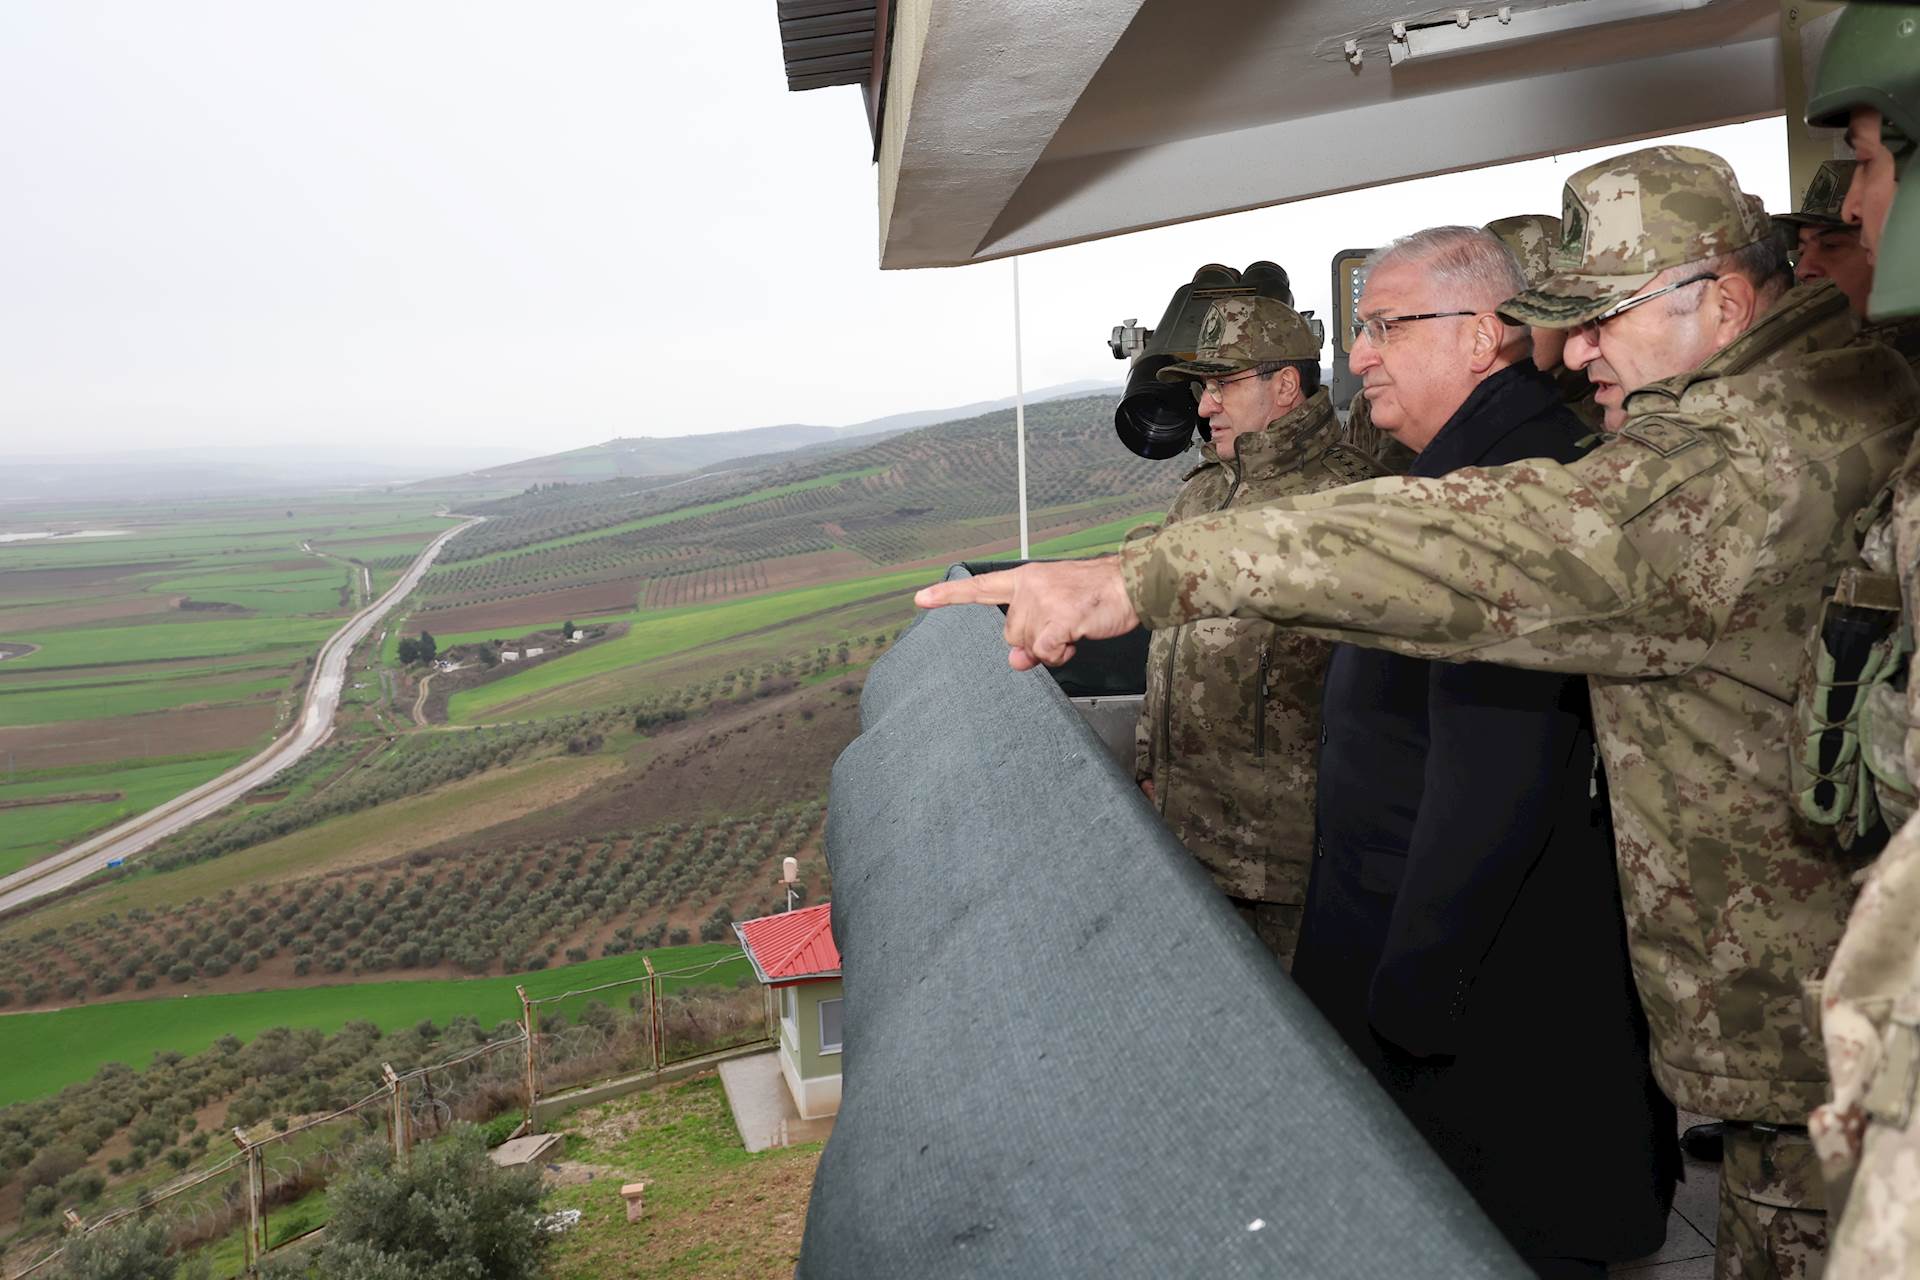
{"type": "Point", "coordinates": [1856, 655]}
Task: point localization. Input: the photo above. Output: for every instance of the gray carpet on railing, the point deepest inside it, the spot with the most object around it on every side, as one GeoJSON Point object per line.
{"type": "Point", "coordinates": [1065, 1056]}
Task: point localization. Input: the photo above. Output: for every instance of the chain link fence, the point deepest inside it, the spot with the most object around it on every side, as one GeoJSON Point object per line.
{"type": "Point", "coordinates": [263, 1188]}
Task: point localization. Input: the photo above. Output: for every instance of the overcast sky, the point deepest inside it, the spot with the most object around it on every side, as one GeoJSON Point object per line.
{"type": "Point", "coordinates": [230, 221]}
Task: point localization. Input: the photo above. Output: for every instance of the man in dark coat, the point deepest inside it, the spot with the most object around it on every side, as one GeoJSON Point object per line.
{"type": "Point", "coordinates": [1463, 928]}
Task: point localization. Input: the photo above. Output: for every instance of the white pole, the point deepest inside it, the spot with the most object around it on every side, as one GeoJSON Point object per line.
{"type": "Point", "coordinates": [1020, 408]}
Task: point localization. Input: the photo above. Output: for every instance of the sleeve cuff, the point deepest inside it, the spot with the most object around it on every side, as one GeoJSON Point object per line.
{"type": "Point", "coordinates": [1147, 582]}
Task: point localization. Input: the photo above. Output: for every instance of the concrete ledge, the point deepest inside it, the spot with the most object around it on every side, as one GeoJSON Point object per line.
{"type": "Point", "coordinates": [558, 1105]}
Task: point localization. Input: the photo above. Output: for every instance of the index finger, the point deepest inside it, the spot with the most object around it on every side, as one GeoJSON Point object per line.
{"type": "Point", "coordinates": [988, 588]}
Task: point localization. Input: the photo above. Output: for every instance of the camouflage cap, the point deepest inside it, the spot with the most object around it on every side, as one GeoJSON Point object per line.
{"type": "Point", "coordinates": [1238, 333]}
{"type": "Point", "coordinates": [1533, 237]}
{"type": "Point", "coordinates": [1627, 219]}
{"type": "Point", "coordinates": [1825, 194]}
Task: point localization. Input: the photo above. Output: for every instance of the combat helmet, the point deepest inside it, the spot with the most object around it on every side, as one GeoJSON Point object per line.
{"type": "Point", "coordinates": [1872, 59]}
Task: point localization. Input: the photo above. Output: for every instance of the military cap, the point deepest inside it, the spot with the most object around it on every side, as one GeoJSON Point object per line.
{"type": "Point", "coordinates": [1820, 207]}
{"type": "Point", "coordinates": [1238, 333]}
{"type": "Point", "coordinates": [1627, 219]}
{"type": "Point", "coordinates": [1533, 238]}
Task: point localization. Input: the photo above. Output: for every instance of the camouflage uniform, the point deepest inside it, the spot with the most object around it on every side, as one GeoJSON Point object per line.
{"type": "Point", "coordinates": [1868, 1136]}
{"type": "Point", "coordinates": [1679, 565]}
{"type": "Point", "coordinates": [1231, 720]}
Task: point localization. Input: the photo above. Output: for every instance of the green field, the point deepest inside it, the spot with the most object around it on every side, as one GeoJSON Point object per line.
{"type": "Point", "coordinates": [117, 658]}
{"type": "Point", "coordinates": [42, 1052]}
{"type": "Point", "coordinates": [26, 704]}
{"type": "Point", "coordinates": [421, 818]}
{"type": "Point", "coordinates": [30, 832]}
{"type": "Point", "coordinates": [655, 634]}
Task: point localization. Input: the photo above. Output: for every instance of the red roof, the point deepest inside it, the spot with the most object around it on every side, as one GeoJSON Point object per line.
{"type": "Point", "coordinates": [792, 945]}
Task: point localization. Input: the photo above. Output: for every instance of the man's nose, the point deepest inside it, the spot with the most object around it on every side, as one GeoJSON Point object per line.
{"type": "Point", "coordinates": [1853, 207]}
{"type": "Point", "coordinates": [1582, 349]}
{"type": "Point", "coordinates": [1364, 355]}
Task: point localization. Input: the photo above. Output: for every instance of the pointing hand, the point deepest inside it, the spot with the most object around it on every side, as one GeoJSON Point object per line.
{"type": "Point", "coordinates": [1051, 606]}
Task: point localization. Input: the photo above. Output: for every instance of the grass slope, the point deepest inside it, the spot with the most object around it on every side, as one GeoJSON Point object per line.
{"type": "Point", "coordinates": [30, 832]}
{"type": "Point", "coordinates": [43, 1052]}
{"type": "Point", "coordinates": [662, 633]}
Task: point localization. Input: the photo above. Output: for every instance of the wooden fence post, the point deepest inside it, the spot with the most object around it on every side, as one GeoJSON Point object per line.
{"type": "Point", "coordinates": [532, 1124]}
{"type": "Point", "coordinates": [653, 1012]}
{"type": "Point", "coordinates": [397, 1104]}
{"type": "Point", "coordinates": [256, 1192]}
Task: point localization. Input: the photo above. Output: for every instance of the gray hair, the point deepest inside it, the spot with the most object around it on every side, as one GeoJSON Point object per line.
{"type": "Point", "coordinates": [1471, 265]}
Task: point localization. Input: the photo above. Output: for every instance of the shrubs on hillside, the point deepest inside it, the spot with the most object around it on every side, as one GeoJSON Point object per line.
{"type": "Point", "coordinates": [407, 769]}
{"type": "Point", "coordinates": [134, 1250]}
{"type": "Point", "coordinates": [507, 909]}
{"type": "Point", "coordinates": [450, 1216]}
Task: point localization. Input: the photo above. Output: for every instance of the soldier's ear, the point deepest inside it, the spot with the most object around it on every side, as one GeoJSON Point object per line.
{"type": "Point", "coordinates": [1737, 303]}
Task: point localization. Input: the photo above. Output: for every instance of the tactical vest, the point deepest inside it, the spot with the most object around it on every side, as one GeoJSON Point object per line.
{"type": "Point", "coordinates": [1848, 762]}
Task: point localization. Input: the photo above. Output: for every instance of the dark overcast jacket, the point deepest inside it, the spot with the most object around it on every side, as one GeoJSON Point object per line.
{"type": "Point", "coordinates": [1463, 928]}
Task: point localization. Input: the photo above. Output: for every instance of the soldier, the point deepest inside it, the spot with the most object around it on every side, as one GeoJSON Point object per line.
{"type": "Point", "coordinates": [1533, 237]}
{"type": "Point", "coordinates": [1868, 1136]}
{"type": "Point", "coordinates": [1830, 248]}
{"type": "Point", "coordinates": [1227, 734]}
{"type": "Point", "coordinates": [1678, 565]}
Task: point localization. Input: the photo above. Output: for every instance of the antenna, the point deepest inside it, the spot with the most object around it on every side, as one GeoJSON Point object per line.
{"type": "Point", "coordinates": [1020, 408]}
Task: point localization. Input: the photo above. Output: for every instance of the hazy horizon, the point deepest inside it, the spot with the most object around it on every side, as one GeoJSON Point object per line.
{"type": "Point", "coordinates": [241, 225]}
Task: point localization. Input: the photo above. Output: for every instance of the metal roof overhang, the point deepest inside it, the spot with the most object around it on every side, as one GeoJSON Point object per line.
{"type": "Point", "coordinates": [1014, 125]}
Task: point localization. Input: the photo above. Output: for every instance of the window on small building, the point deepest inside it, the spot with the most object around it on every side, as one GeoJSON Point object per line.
{"type": "Point", "coordinates": [790, 1016]}
{"type": "Point", "coordinates": [829, 1026]}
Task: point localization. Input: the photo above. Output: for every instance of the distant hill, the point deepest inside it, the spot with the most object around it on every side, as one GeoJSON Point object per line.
{"type": "Point", "coordinates": [207, 472]}
{"type": "Point", "coordinates": [795, 518]}
{"type": "Point", "coordinates": [677, 455]}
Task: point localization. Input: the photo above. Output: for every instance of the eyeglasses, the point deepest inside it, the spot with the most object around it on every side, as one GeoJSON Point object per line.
{"type": "Point", "coordinates": [1592, 326]}
{"type": "Point", "coordinates": [1212, 386]}
{"type": "Point", "coordinates": [1380, 328]}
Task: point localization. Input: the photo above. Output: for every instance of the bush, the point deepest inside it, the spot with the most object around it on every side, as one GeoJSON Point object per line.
{"type": "Point", "coordinates": [51, 1165]}
{"type": "Point", "coordinates": [133, 1251]}
{"type": "Point", "coordinates": [82, 1187]}
{"type": "Point", "coordinates": [452, 1214]}
{"type": "Point", "coordinates": [501, 1127]}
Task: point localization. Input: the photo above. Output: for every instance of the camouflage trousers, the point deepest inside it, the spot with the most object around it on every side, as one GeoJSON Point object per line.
{"type": "Point", "coordinates": [1773, 1207]}
{"type": "Point", "coordinates": [1276, 924]}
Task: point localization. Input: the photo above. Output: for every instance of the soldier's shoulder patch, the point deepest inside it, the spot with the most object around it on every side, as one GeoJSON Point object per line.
{"type": "Point", "coordinates": [1350, 465]}
{"type": "Point", "coordinates": [1664, 438]}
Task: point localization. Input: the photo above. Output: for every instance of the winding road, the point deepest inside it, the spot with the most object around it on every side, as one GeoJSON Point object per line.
{"type": "Point", "coordinates": [313, 728]}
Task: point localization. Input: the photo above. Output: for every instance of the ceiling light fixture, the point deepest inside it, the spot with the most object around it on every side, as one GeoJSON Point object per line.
{"type": "Point", "coordinates": [1463, 33]}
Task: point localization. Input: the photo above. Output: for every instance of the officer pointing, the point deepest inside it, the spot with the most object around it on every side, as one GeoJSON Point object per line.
{"type": "Point", "coordinates": [1678, 565]}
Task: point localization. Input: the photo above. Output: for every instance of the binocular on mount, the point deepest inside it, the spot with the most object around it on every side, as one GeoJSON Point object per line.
{"type": "Point", "coordinates": [1157, 419]}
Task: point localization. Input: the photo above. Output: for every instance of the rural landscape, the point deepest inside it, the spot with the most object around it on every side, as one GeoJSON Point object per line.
{"type": "Point", "coordinates": [562, 763]}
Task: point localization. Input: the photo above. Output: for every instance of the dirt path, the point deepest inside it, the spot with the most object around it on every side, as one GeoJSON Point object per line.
{"type": "Point", "coordinates": [420, 699]}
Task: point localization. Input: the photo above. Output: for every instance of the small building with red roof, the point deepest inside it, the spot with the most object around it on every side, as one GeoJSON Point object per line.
{"type": "Point", "coordinates": [794, 954]}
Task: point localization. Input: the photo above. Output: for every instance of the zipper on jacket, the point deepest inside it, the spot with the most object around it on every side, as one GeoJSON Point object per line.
{"type": "Point", "coordinates": [1260, 703]}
